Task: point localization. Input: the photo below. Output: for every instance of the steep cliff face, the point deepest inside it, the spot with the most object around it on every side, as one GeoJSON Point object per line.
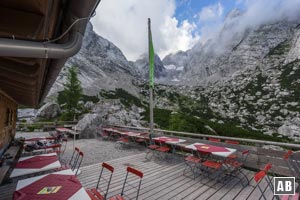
{"type": "Point", "coordinates": [142, 64]}
{"type": "Point", "coordinates": [102, 65]}
{"type": "Point", "coordinates": [250, 76]}
{"type": "Point", "coordinates": [230, 51]}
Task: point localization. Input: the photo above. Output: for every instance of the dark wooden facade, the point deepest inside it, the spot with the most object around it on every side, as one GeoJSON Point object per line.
{"type": "Point", "coordinates": [8, 116]}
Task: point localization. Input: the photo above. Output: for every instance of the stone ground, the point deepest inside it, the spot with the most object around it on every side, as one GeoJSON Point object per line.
{"type": "Point", "coordinates": [95, 150]}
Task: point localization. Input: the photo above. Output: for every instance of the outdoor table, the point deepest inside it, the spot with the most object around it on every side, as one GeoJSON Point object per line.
{"type": "Point", "coordinates": [108, 129]}
{"type": "Point", "coordinates": [60, 185]}
{"type": "Point", "coordinates": [34, 164]}
{"type": "Point", "coordinates": [39, 138]}
{"type": "Point", "coordinates": [214, 150]}
{"type": "Point", "coordinates": [129, 134]}
{"type": "Point", "coordinates": [111, 131]}
{"type": "Point", "coordinates": [169, 140]}
{"type": "Point", "coordinates": [62, 130]}
{"type": "Point", "coordinates": [42, 149]}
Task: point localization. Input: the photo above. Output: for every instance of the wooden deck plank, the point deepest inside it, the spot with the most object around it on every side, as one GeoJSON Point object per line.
{"type": "Point", "coordinates": [256, 192]}
{"type": "Point", "coordinates": [149, 184]}
{"type": "Point", "coordinates": [162, 180]}
{"type": "Point", "coordinates": [236, 190]}
{"type": "Point", "coordinates": [230, 187]}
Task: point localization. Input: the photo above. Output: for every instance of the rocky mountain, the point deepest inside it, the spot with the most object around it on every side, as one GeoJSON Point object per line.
{"type": "Point", "coordinates": [230, 51]}
{"type": "Point", "coordinates": [142, 64]}
{"type": "Point", "coordinates": [102, 65]}
{"type": "Point", "coordinates": [249, 76]}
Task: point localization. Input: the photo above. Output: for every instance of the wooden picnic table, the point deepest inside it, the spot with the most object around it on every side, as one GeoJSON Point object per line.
{"type": "Point", "coordinates": [61, 185]}
{"type": "Point", "coordinates": [34, 164]}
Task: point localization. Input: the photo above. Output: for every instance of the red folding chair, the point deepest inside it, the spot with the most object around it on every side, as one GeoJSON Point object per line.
{"type": "Point", "coordinates": [78, 162]}
{"type": "Point", "coordinates": [151, 150]}
{"type": "Point", "coordinates": [73, 161]}
{"type": "Point", "coordinates": [293, 164]}
{"type": "Point", "coordinates": [258, 177]}
{"type": "Point", "coordinates": [234, 166]}
{"type": "Point", "coordinates": [136, 173]}
{"type": "Point", "coordinates": [96, 193]}
{"type": "Point", "coordinates": [74, 157]}
{"type": "Point", "coordinates": [232, 142]}
{"type": "Point", "coordinates": [61, 149]}
{"type": "Point", "coordinates": [212, 167]}
{"type": "Point", "coordinates": [242, 158]}
{"type": "Point", "coordinates": [193, 163]}
{"type": "Point", "coordinates": [122, 141]}
{"type": "Point", "coordinates": [142, 139]}
{"type": "Point", "coordinates": [162, 150]}
{"type": "Point", "coordinates": [214, 139]}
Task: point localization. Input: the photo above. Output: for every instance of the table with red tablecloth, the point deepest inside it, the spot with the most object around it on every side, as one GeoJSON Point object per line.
{"type": "Point", "coordinates": [60, 185]}
{"type": "Point", "coordinates": [34, 164]}
{"type": "Point", "coordinates": [169, 140]}
{"type": "Point", "coordinates": [214, 150]}
{"type": "Point", "coordinates": [129, 133]}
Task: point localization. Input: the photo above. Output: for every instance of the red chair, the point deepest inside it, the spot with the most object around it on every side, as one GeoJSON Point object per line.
{"type": "Point", "coordinates": [104, 134]}
{"type": "Point", "coordinates": [78, 163]}
{"type": "Point", "coordinates": [122, 141]}
{"type": "Point", "coordinates": [258, 177]}
{"type": "Point", "coordinates": [234, 166]}
{"type": "Point", "coordinates": [244, 156]}
{"type": "Point", "coordinates": [293, 197]}
{"type": "Point", "coordinates": [232, 142]}
{"type": "Point", "coordinates": [73, 161]}
{"type": "Point", "coordinates": [287, 155]}
{"type": "Point", "coordinates": [61, 149]}
{"type": "Point", "coordinates": [136, 173]}
{"type": "Point", "coordinates": [213, 167]}
{"type": "Point", "coordinates": [193, 162]}
{"type": "Point", "coordinates": [96, 193]}
{"type": "Point", "coordinates": [142, 139]}
{"type": "Point", "coordinates": [151, 149]}
{"type": "Point", "coordinates": [162, 150]}
{"type": "Point", "coordinates": [293, 164]}
{"type": "Point", "coordinates": [214, 139]}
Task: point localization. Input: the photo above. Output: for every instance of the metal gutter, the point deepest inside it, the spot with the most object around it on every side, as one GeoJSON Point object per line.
{"type": "Point", "coordinates": [30, 49]}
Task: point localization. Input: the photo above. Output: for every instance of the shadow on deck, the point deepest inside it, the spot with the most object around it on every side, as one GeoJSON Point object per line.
{"type": "Point", "coordinates": [165, 180]}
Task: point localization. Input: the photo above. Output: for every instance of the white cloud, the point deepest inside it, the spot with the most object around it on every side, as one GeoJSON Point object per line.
{"type": "Point", "coordinates": [211, 13]}
{"type": "Point", "coordinates": [256, 13]}
{"type": "Point", "coordinates": [125, 24]}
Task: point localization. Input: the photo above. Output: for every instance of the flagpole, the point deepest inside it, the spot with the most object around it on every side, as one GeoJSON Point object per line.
{"type": "Point", "coordinates": [151, 84]}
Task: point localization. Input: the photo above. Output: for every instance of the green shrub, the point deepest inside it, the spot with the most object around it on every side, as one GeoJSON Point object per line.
{"type": "Point", "coordinates": [126, 98]}
{"type": "Point", "coordinates": [161, 117]}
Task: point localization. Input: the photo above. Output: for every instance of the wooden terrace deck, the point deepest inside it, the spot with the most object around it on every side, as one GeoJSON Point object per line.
{"type": "Point", "coordinates": [163, 180]}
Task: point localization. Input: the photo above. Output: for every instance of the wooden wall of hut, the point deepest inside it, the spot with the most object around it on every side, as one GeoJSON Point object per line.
{"type": "Point", "coordinates": [8, 118]}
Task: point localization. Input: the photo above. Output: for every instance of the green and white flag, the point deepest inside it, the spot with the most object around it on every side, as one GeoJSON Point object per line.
{"type": "Point", "coordinates": [151, 58]}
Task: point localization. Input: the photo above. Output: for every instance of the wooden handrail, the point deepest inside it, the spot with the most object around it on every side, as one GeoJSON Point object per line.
{"type": "Point", "coordinates": [187, 134]}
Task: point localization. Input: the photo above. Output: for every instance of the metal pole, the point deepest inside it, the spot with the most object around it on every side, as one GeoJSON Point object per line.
{"type": "Point", "coordinates": [150, 87]}
{"type": "Point", "coordinates": [74, 137]}
{"type": "Point", "coordinates": [151, 114]}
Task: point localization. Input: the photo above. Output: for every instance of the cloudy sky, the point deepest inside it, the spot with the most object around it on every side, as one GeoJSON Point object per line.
{"type": "Point", "coordinates": [178, 24]}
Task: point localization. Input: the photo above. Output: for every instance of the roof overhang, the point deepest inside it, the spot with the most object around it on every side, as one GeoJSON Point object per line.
{"type": "Point", "coordinates": [36, 39]}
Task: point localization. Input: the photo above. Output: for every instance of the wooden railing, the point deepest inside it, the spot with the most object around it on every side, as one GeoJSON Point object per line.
{"type": "Point", "coordinates": [43, 125]}
{"type": "Point", "coordinates": [259, 155]}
